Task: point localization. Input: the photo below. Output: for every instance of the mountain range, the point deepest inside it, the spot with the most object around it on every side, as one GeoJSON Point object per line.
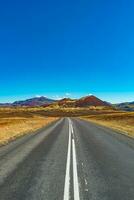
{"type": "Point", "coordinates": [36, 101]}
{"type": "Point", "coordinates": [68, 102]}
{"type": "Point", "coordinates": [126, 106]}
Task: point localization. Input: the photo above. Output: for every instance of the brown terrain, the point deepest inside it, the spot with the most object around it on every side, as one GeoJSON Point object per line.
{"type": "Point", "coordinates": [16, 122]}
{"type": "Point", "coordinates": [90, 101]}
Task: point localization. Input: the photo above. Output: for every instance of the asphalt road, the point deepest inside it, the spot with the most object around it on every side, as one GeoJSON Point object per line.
{"type": "Point", "coordinates": [68, 160]}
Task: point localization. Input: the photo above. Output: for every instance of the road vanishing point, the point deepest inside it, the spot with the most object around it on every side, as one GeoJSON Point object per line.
{"type": "Point", "coordinates": [70, 159]}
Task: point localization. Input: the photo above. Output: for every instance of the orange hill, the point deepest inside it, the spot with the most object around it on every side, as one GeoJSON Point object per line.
{"type": "Point", "coordinates": [90, 101]}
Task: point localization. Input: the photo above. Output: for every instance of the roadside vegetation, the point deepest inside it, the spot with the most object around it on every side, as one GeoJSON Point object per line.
{"type": "Point", "coordinates": [16, 122]}
{"type": "Point", "coordinates": [123, 121]}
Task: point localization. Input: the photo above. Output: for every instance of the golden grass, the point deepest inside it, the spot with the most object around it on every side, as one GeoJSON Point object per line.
{"type": "Point", "coordinates": [55, 111]}
{"type": "Point", "coordinates": [14, 124]}
{"type": "Point", "coordinates": [123, 122]}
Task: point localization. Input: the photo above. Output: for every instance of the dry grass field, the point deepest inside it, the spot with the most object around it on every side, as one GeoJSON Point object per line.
{"type": "Point", "coordinates": [73, 112]}
{"type": "Point", "coordinates": [17, 122]}
{"type": "Point", "coordinates": [123, 122]}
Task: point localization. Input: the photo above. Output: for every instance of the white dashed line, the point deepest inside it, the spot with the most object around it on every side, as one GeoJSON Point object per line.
{"type": "Point", "coordinates": [75, 174]}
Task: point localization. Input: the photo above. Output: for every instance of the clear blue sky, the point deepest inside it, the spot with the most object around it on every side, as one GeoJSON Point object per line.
{"type": "Point", "coordinates": [53, 47]}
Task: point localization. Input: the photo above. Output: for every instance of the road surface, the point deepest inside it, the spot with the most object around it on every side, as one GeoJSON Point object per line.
{"type": "Point", "coordinates": [69, 160]}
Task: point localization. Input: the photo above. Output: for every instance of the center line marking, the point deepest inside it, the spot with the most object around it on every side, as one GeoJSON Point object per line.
{"type": "Point", "coordinates": [71, 144]}
{"type": "Point", "coordinates": [67, 177]}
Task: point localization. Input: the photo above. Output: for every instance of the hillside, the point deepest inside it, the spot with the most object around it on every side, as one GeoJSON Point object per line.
{"type": "Point", "coordinates": [36, 101]}
{"type": "Point", "coordinates": [127, 106]}
{"type": "Point", "coordinates": [90, 101]}
{"type": "Point", "coordinates": [66, 102]}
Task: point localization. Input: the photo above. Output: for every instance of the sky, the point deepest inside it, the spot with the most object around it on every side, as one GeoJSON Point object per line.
{"type": "Point", "coordinates": [69, 48]}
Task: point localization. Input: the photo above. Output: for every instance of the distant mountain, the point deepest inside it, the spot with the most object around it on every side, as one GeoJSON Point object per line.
{"type": "Point", "coordinates": [37, 101]}
{"type": "Point", "coordinates": [90, 101]}
{"type": "Point", "coordinates": [126, 106]}
{"type": "Point", "coordinates": [65, 102]}
{"type": "Point", "coordinates": [82, 102]}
